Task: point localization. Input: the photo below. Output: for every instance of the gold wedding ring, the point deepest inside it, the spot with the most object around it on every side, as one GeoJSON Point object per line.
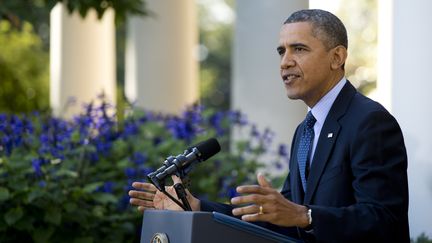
{"type": "Point", "coordinates": [261, 210]}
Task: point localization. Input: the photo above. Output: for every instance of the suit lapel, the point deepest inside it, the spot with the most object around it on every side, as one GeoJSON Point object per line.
{"type": "Point", "coordinates": [325, 141]}
{"type": "Point", "coordinates": [322, 152]}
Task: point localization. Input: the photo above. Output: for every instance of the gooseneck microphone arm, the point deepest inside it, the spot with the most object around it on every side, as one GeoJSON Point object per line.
{"type": "Point", "coordinates": [180, 166]}
{"type": "Point", "coordinates": [160, 184]}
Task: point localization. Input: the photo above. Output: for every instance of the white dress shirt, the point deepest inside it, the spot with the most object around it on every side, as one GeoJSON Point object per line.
{"type": "Point", "coordinates": [321, 110]}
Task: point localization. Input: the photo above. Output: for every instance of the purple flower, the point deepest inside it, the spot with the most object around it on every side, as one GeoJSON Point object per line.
{"type": "Point", "coordinates": [145, 171]}
{"type": "Point", "coordinates": [123, 202]}
{"type": "Point", "coordinates": [93, 157]}
{"type": "Point", "coordinates": [107, 187]}
{"type": "Point", "coordinates": [254, 131]}
{"type": "Point", "coordinates": [232, 192]}
{"type": "Point", "coordinates": [103, 147]}
{"type": "Point", "coordinates": [278, 164]}
{"type": "Point", "coordinates": [130, 172]}
{"type": "Point", "coordinates": [236, 117]}
{"type": "Point", "coordinates": [131, 128]}
{"type": "Point", "coordinates": [157, 141]}
{"type": "Point", "coordinates": [36, 164]}
{"type": "Point", "coordinates": [193, 114]}
{"type": "Point", "coordinates": [28, 126]}
{"type": "Point", "coordinates": [139, 158]}
{"type": "Point", "coordinates": [42, 183]}
{"type": "Point", "coordinates": [268, 136]}
{"type": "Point", "coordinates": [216, 121]}
{"type": "Point", "coordinates": [283, 150]}
{"type": "Point", "coordinates": [44, 139]}
{"type": "Point", "coordinates": [181, 129]}
{"type": "Point", "coordinates": [7, 144]}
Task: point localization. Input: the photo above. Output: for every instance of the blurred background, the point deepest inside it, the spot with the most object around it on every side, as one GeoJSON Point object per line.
{"type": "Point", "coordinates": [163, 56]}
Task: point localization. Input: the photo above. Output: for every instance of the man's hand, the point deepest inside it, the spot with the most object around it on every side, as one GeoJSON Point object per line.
{"type": "Point", "coordinates": [276, 209]}
{"type": "Point", "coordinates": [147, 196]}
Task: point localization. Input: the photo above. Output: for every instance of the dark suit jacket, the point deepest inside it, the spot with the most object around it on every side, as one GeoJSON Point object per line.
{"type": "Point", "coordinates": [357, 184]}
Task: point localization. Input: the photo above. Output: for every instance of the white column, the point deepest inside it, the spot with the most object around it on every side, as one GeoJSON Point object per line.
{"type": "Point", "coordinates": [82, 59]}
{"type": "Point", "coordinates": [161, 66]}
{"type": "Point", "coordinates": [405, 57]}
{"type": "Point", "coordinates": [257, 87]}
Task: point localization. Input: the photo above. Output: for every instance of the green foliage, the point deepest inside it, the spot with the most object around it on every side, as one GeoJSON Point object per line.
{"type": "Point", "coordinates": [422, 238]}
{"type": "Point", "coordinates": [360, 18]}
{"type": "Point", "coordinates": [23, 70]}
{"type": "Point", "coordinates": [67, 180]}
{"type": "Point", "coordinates": [121, 8]}
{"type": "Point", "coordinates": [215, 54]}
{"type": "Point", "coordinates": [12, 9]}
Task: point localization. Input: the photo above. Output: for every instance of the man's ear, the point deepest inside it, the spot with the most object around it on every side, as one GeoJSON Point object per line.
{"type": "Point", "coordinates": [338, 57]}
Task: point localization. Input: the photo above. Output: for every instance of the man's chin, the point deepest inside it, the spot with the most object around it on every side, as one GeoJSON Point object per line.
{"type": "Point", "coordinates": [292, 96]}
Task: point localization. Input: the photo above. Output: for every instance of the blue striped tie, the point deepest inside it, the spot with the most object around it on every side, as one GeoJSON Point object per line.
{"type": "Point", "coordinates": [305, 145]}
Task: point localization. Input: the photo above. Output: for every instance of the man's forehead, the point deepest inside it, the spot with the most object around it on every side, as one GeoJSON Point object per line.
{"type": "Point", "coordinates": [297, 27]}
{"type": "Point", "coordinates": [299, 31]}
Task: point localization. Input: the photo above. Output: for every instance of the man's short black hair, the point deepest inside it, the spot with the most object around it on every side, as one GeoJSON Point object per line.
{"type": "Point", "coordinates": [325, 26]}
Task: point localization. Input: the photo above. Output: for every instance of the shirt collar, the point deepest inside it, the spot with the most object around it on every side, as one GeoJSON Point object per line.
{"type": "Point", "coordinates": [322, 108]}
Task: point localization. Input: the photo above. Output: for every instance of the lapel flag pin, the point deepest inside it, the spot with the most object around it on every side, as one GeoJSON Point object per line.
{"type": "Point", "coordinates": [330, 135]}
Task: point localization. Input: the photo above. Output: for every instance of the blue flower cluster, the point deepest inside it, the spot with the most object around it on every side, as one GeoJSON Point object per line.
{"type": "Point", "coordinates": [94, 147]}
{"type": "Point", "coordinates": [13, 132]}
{"type": "Point", "coordinates": [77, 171]}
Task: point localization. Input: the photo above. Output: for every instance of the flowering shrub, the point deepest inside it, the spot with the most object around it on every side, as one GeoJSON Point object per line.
{"type": "Point", "coordinates": [67, 180]}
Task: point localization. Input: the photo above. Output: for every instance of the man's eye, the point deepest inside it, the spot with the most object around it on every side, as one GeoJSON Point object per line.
{"type": "Point", "coordinates": [299, 49]}
{"type": "Point", "coordinates": [280, 52]}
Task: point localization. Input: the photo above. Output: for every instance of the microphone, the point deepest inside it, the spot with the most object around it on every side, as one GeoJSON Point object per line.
{"type": "Point", "coordinates": [182, 164]}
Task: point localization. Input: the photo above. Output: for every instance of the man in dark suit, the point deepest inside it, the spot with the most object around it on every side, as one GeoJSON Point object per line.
{"type": "Point", "coordinates": [347, 179]}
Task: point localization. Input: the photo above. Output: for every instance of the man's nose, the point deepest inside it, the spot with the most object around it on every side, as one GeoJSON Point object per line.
{"type": "Point", "coordinates": [287, 61]}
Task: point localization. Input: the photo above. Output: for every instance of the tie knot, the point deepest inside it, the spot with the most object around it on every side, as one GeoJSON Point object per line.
{"type": "Point", "coordinates": [310, 120]}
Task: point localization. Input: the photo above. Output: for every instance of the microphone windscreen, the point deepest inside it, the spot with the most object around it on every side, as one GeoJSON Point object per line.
{"type": "Point", "coordinates": [208, 148]}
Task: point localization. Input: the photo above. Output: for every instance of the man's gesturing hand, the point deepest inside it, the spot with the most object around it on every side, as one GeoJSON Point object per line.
{"type": "Point", "coordinates": [147, 196]}
{"type": "Point", "coordinates": [275, 208]}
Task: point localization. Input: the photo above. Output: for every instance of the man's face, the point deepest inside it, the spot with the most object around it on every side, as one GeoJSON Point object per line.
{"type": "Point", "coordinates": [305, 63]}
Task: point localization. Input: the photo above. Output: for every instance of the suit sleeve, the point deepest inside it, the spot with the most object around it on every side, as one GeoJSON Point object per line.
{"type": "Point", "coordinates": [208, 206]}
{"type": "Point", "coordinates": [378, 163]}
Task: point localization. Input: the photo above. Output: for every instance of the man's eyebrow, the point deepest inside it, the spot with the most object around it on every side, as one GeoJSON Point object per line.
{"type": "Point", "coordinates": [293, 45]}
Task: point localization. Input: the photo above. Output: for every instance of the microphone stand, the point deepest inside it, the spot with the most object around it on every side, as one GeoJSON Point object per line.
{"type": "Point", "coordinates": [181, 193]}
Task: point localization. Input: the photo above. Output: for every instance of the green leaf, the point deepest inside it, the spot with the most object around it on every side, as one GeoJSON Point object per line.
{"type": "Point", "coordinates": [4, 194]}
{"type": "Point", "coordinates": [70, 207]}
{"type": "Point", "coordinates": [25, 224]}
{"type": "Point", "coordinates": [19, 185]}
{"type": "Point", "coordinates": [13, 215]}
{"type": "Point", "coordinates": [53, 215]}
{"type": "Point", "coordinates": [36, 193]}
{"type": "Point", "coordinates": [92, 187]}
{"type": "Point", "coordinates": [41, 235]}
{"type": "Point", "coordinates": [84, 240]}
{"type": "Point", "coordinates": [98, 211]}
{"type": "Point", "coordinates": [104, 198]}
{"type": "Point", "coordinates": [67, 173]}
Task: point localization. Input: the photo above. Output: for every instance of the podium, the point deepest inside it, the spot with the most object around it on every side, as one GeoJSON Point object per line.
{"type": "Point", "coordinates": [161, 226]}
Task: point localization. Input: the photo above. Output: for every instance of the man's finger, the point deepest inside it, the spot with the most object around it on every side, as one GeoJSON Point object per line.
{"type": "Point", "coordinates": [256, 189]}
{"type": "Point", "coordinates": [176, 179]}
{"type": "Point", "coordinates": [140, 202]}
{"type": "Point", "coordinates": [142, 208]}
{"type": "Point", "coordinates": [256, 217]}
{"type": "Point", "coordinates": [253, 198]}
{"type": "Point", "coordinates": [262, 181]}
{"type": "Point", "coordinates": [250, 209]}
{"type": "Point", "coordinates": [141, 194]}
{"type": "Point", "coordinates": [144, 186]}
